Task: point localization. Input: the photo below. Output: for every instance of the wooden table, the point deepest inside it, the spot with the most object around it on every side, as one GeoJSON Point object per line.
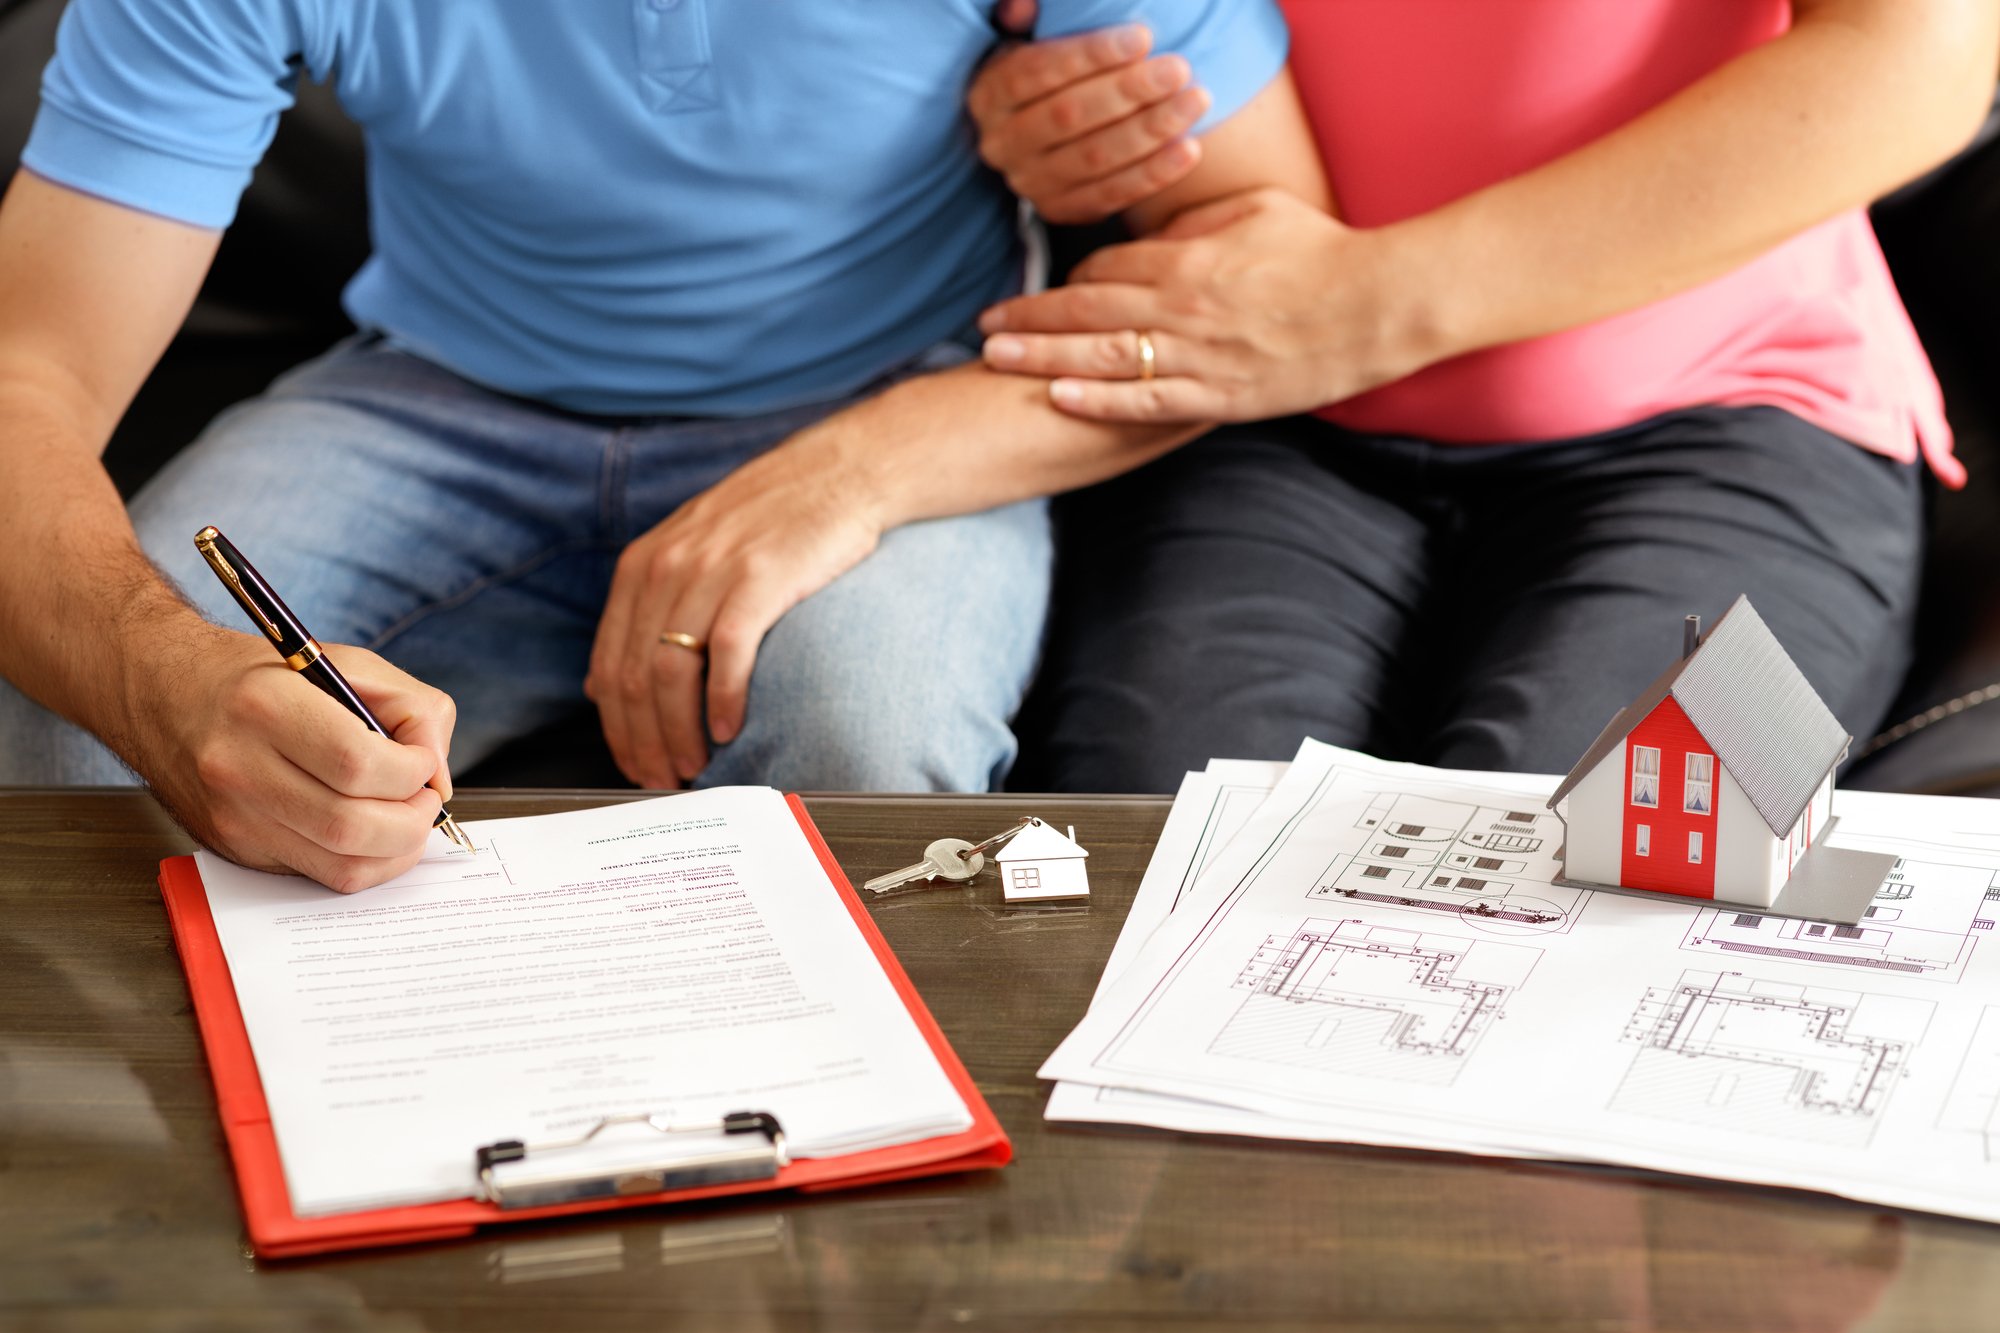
{"type": "Point", "coordinates": [117, 1208]}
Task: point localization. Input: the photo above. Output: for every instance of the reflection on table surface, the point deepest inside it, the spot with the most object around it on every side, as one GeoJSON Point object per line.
{"type": "Point", "coordinates": [117, 1207]}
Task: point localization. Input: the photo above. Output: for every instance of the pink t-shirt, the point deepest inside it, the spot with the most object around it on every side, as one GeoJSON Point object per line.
{"type": "Point", "coordinates": [1417, 102]}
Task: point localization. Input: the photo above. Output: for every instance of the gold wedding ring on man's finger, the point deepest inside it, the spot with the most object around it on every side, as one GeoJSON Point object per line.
{"type": "Point", "coordinates": [692, 643]}
{"type": "Point", "coordinates": [1146, 357]}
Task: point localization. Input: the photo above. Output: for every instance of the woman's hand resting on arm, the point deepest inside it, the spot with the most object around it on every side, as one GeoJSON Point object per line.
{"type": "Point", "coordinates": [1258, 306]}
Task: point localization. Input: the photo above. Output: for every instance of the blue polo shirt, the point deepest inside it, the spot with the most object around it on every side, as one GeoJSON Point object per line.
{"type": "Point", "coordinates": [712, 207]}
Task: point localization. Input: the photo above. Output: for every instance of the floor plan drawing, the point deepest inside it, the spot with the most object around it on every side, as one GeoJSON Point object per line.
{"type": "Point", "coordinates": [1489, 866]}
{"type": "Point", "coordinates": [1973, 1106]}
{"type": "Point", "coordinates": [1729, 1051]}
{"type": "Point", "coordinates": [1354, 998]}
{"type": "Point", "coordinates": [1923, 923]}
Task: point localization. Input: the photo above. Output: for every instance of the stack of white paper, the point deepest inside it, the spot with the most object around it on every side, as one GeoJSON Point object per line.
{"type": "Point", "coordinates": [683, 957]}
{"type": "Point", "coordinates": [1379, 955]}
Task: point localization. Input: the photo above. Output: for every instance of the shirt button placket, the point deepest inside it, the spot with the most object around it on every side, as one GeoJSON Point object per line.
{"type": "Point", "coordinates": [675, 72]}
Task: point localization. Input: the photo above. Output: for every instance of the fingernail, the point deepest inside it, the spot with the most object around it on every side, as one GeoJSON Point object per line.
{"type": "Point", "coordinates": [992, 321]}
{"type": "Point", "coordinates": [721, 731]}
{"type": "Point", "coordinates": [1192, 103]}
{"type": "Point", "coordinates": [1065, 393]}
{"type": "Point", "coordinates": [1004, 350]}
{"type": "Point", "coordinates": [1128, 41]}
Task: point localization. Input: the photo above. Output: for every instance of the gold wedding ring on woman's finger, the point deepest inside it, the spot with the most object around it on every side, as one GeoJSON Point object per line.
{"type": "Point", "coordinates": [692, 643]}
{"type": "Point", "coordinates": [1145, 353]}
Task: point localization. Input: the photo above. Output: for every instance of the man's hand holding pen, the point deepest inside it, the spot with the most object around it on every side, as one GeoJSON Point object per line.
{"type": "Point", "coordinates": [280, 777]}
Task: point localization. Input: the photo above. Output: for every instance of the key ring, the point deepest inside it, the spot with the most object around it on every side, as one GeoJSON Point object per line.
{"type": "Point", "coordinates": [996, 839]}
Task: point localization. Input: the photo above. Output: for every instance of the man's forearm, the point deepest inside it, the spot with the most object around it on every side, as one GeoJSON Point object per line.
{"type": "Point", "coordinates": [75, 587]}
{"type": "Point", "coordinates": [90, 292]}
{"type": "Point", "coordinates": [968, 439]}
{"type": "Point", "coordinates": [1853, 101]}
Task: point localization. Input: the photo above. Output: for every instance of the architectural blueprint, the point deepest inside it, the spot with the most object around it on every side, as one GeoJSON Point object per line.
{"type": "Point", "coordinates": [1209, 810]}
{"type": "Point", "coordinates": [1321, 979]}
{"type": "Point", "coordinates": [1769, 1057]}
{"type": "Point", "coordinates": [1365, 999]}
{"type": "Point", "coordinates": [1924, 922]}
{"type": "Point", "coordinates": [1490, 866]}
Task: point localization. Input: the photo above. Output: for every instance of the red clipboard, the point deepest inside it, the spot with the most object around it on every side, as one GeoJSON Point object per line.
{"type": "Point", "coordinates": [275, 1233]}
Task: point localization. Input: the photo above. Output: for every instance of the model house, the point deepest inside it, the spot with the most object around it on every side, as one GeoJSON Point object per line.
{"type": "Point", "coordinates": [1039, 862]}
{"type": "Point", "coordinates": [1715, 782]}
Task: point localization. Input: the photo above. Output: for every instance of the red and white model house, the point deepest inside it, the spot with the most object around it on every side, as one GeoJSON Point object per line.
{"type": "Point", "coordinates": [1717, 783]}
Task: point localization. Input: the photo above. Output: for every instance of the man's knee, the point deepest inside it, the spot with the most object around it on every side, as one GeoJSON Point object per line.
{"type": "Point", "coordinates": [905, 673]}
{"type": "Point", "coordinates": [842, 742]}
{"type": "Point", "coordinates": [823, 716]}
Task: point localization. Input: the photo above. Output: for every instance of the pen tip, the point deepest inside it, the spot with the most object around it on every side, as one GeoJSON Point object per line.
{"type": "Point", "coordinates": [455, 833]}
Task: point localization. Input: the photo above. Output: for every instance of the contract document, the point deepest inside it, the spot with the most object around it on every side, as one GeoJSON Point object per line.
{"type": "Point", "coordinates": [682, 957]}
{"type": "Point", "coordinates": [1381, 956]}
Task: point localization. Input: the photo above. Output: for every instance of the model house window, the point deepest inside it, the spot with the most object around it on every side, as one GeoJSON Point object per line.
{"type": "Point", "coordinates": [1645, 775]}
{"type": "Point", "coordinates": [1642, 840]}
{"type": "Point", "coordinates": [1027, 877]}
{"type": "Point", "coordinates": [1698, 796]}
{"type": "Point", "coordinates": [1694, 849]}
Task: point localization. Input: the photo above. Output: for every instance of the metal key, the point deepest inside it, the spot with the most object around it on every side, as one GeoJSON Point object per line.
{"type": "Point", "coordinates": [942, 860]}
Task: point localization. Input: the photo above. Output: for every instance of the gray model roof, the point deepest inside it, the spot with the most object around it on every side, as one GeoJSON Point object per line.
{"type": "Point", "coordinates": [1750, 701]}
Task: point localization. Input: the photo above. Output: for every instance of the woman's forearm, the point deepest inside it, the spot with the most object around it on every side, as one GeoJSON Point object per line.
{"type": "Point", "coordinates": [1856, 98]}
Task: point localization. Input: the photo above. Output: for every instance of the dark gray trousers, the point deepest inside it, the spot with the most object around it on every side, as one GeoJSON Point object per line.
{"type": "Point", "coordinates": [1485, 607]}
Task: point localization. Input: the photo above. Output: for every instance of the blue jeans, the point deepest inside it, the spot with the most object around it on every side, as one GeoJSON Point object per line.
{"type": "Point", "coordinates": [470, 538]}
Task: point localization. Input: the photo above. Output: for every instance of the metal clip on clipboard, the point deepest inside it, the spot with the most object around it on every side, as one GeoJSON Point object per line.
{"type": "Point", "coordinates": [738, 1156]}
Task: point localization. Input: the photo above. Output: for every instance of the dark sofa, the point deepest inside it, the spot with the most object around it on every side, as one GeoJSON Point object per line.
{"type": "Point", "coordinates": [272, 300]}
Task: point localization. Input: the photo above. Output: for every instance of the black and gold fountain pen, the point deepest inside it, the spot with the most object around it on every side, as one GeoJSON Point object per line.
{"type": "Point", "coordinates": [299, 649]}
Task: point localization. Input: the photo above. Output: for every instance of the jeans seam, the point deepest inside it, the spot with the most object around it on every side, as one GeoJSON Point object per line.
{"type": "Point", "coordinates": [611, 487]}
{"type": "Point", "coordinates": [539, 560]}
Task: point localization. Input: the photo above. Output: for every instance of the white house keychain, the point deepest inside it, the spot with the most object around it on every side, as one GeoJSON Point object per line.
{"type": "Point", "coordinates": [1039, 862]}
{"type": "Point", "coordinates": [1036, 863]}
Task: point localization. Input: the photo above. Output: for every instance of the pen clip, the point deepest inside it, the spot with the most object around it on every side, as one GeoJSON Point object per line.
{"type": "Point", "coordinates": [204, 541]}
